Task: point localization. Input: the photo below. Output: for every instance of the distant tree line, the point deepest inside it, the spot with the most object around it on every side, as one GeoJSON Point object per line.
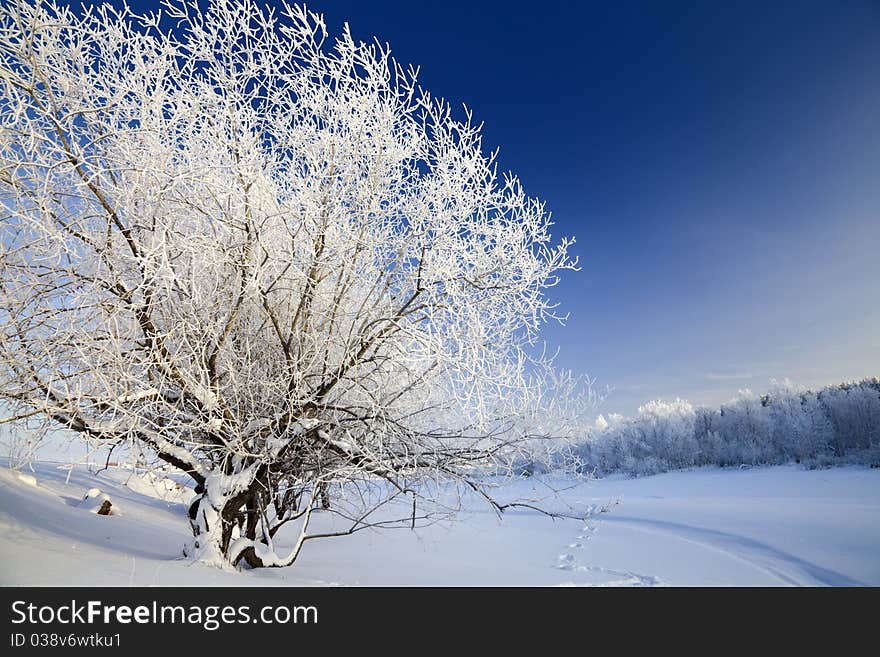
{"type": "Point", "coordinates": [837, 424]}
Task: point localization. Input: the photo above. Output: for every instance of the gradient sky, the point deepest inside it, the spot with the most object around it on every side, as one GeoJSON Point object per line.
{"type": "Point", "coordinates": [717, 162]}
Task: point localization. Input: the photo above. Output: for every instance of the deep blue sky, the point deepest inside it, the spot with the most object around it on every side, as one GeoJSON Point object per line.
{"type": "Point", "coordinates": [717, 162]}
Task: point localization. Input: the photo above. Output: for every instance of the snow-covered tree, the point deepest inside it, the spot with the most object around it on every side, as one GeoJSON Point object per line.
{"type": "Point", "coordinates": [270, 261]}
{"type": "Point", "coordinates": [669, 429]}
{"type": "Point", "coordinates": [854, 414]}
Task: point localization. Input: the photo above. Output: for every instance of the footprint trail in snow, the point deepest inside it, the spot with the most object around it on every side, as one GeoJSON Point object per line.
{"type": "Point", "coordinates": [600, 576]}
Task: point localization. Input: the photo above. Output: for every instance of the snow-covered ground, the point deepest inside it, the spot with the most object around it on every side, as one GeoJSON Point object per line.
{"type": "Point", "coordinates": [762, 526]}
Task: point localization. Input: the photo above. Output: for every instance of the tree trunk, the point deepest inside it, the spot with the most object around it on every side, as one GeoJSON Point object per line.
{"type": "Point", "coordinates": [211, 532]}
{"type": "Point", "coordinates": [236, 500]}
{"type": "Point", "coordinates": [325, 495]}
{"type": "Point", "coordinates": [222, 506]}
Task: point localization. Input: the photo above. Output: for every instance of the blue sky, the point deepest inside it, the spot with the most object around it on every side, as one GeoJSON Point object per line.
{"type": "Point", "coordinates": [718, 164]}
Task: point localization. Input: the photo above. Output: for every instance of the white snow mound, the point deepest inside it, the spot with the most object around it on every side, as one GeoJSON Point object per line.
{"type": "Point", "coordinates": [93, 501]}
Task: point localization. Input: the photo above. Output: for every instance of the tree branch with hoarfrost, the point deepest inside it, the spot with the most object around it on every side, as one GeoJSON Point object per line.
{"type": "Point", "coordinates": [270, 261]}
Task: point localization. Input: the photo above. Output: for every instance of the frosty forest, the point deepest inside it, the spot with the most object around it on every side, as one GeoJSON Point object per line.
{"type": "Point", "coordinates": [837, 424]}
{"type": "Point", "coordinates": [257, 262]}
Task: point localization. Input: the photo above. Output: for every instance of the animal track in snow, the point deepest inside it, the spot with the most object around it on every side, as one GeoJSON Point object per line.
{"type": "Point", "coordinates": [567, 561]}
{"type": "Point", "coordinates": [624, 577]}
